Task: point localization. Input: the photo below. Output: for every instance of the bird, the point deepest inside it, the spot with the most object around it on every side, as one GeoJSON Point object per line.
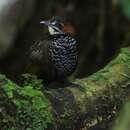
{"type": "Point", "coordinates": [54, 58]}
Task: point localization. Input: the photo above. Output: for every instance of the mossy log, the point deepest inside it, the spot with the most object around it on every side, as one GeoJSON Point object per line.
{"type": "Point", "coordinates": [94, 99]}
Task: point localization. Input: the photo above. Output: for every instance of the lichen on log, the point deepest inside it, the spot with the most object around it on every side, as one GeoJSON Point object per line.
{"type": "Point", "coordinates": [94, 99]}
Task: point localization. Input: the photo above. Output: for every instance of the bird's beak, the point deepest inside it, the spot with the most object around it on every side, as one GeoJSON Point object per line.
{"type": "Point", "coordinates": [47, 23]}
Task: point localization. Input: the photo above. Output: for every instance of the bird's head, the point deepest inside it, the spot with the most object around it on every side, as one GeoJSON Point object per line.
{"type": "Point", "coordinates": [55, 25]}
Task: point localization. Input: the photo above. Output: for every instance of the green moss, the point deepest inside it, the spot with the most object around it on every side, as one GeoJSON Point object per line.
{"type": "Point", "coordinates": [122, 64]}
{"type": "Point", "coordinates": [32, 81]}
{"type": "Point", "coordinates": [92, 86]}
{"type": "Point", "coordinates": [23, 107]}
{"type": "Point", "coordinates": [124, 57]}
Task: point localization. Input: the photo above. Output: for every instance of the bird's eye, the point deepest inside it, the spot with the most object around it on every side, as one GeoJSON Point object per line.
{"type": "Point", "coordinates": [53, 23]}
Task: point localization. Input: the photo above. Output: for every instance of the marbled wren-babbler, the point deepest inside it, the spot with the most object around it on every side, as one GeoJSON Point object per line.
{"type": "Point", "coordinates": [55, 58]}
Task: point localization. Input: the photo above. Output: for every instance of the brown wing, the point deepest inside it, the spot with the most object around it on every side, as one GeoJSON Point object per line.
{"type": "Point", "coordinates": [38, 52]}
{"type": "Point", "coordinates": [38, 60]}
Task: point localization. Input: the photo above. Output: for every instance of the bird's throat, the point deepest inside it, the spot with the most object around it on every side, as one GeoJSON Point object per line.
{"type": "Point", "coordinates": [51, 31]}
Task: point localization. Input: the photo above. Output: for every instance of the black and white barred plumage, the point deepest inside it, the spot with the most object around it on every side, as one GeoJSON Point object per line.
{"type": "Point", "coordinates": [63, 54]}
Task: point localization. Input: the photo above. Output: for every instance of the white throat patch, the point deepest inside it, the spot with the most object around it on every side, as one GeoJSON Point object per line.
{"type": "Point", "coordinates": [52, 31]}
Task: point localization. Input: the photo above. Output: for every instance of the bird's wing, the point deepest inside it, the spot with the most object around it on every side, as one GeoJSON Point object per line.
{"type": "Point", "coordinates": [37, 57]}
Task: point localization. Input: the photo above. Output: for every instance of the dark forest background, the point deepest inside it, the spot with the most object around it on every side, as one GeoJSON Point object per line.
{"type": "Point", "coordinates": [100, 27]}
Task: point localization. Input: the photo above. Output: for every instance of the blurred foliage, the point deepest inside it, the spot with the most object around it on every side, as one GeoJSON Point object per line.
{"type": "Point", "coordinates": [124, 6]}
